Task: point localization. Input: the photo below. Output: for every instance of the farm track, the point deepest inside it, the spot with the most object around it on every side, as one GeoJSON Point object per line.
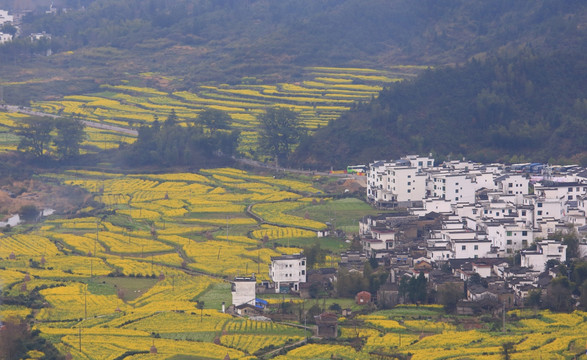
{"type": "Point", "coordinates": [18, 109]}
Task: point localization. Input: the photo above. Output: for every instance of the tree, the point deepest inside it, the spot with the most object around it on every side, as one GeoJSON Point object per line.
{"type": "Point", "coordinates": [215, 119]}
{"type": "Point", "coordinates": [171, 119]}
{"type": "Point", "coordinates": [533, 298]}
{"type": "Point", "coordinates": [8, 28]}
{"type": "Point", "coordinates": [449, 295]}
{"type": "Point", "coordinates": [506, 349]}
{"type": "Point", "coordinates": [200, 306]}
{"type": "Point", "coordinates": [35, 135]}
{"type": "Point", "coordinates": [279, 132]}
{"type": "Point", "coordinates": [558, 294]}
{"type": "Point", "coordinates": [415, 288]}
{"type": "Point", "coordinates": [70, 135]}
{"type": "Point", "coordinates": [314, 255]}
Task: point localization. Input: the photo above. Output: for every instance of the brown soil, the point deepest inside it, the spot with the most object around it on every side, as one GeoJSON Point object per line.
{"type": "Point", "coordinates": [63, 199]}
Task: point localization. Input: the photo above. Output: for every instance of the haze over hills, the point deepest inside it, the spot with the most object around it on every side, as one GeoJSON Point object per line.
{"type": "Point", "coordinates": [525, 108]}
{"type": "Point", "coordinates": [496, 110]}
{"type": "Point", "coordinates": [225, 41]}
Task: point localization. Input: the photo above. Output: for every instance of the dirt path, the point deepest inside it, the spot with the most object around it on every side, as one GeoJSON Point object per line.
{"type": "Point", "coordinates": [28, 111]}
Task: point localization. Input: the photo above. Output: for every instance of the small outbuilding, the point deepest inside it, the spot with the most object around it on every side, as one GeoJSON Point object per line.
{"type": "Point", "coordinates": [363, 298]}
{"type": "Point", "coordinates": [327, 324]}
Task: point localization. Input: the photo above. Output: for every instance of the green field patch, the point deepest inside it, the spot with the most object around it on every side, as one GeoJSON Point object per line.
{"type": "Point", "coordinates": [130, 287]}
{"type": "Point", "coordinates": [215, 295]}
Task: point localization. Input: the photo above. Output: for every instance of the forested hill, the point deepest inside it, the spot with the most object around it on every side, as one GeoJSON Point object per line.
{"type": "Point", "coordinates": [226, 40]}
{"type": "Point", "coordinates": [509, 109]}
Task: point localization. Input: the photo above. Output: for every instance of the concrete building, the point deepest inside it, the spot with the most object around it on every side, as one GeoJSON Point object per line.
{"type": "Point", "coordinates": [545, 250]}
{"type": "Point", "coordinates": [287, 272]}
{"type": "Point", "coordinates": [243, 291]}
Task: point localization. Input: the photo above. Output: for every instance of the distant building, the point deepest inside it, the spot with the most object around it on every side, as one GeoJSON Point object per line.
{"type": "Point", "coordinates": [243, 291]}
{"type": "Point", "coordinates": [5, 38]}
{"type": "Point", "coordinates": [287, 272]}
{"type": "Point", "coordinates": [545, 250]}
{"type": "Point", "coordinates": [5, 18]}
{"type": "Point", "coordinates": [327, 324]}
{"type": "Point", "coordinates": [363, 298]}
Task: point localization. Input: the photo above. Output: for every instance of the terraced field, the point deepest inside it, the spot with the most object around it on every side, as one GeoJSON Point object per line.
{"type": "Point", "coordinates": [322, 98]}
{"type": "Point", "coordinates": [123, 278]}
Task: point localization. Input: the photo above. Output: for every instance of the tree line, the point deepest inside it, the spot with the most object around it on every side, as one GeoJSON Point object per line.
{"type": "Point", "coordinates": [51, 138]}
{"type": "Point", "coordinates": [526, 107]}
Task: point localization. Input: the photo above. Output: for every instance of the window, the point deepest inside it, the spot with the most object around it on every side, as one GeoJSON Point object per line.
{"type": "Point", "coordinates": [525, 243]}
{"type": "Point", "coordinates": [474, 211]}
{"type": "Point", "coordinates": [570, 197]}
{"type": "Point", "coordinates": [570, 189]}
{"type": "Point", "coordinates": [510, 185]}
{"type": "Point", "coordinates": [303, 272]}
{"type": "Point", "coordinates": [303, 262]}
{"type": "Point", "coordinates": [509, 233]}
{"type": "Point", "coordinates": [464, 247]}
{"type": "Point", "coordinates": [523, 212]}
{"type": "Point", "coordinates": [476, 247]}
{"type": "Point", "coordinates": [409, 183]}
{"type": "Point", "coordinates": [524, 233]}
{"type": "Point", "coordinates": [456, 191]}
{"type": "Point", "coordinates": [539, 212]}
{"type": "Point", "coordinates": [409, 191]}
{"type": "Point", "coordinates": [539, 204]}
{"type": "Point", "coordinates": [509, 242]}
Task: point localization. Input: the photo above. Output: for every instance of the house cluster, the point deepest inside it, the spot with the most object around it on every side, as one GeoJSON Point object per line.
{"type": "Point", "coordinates": [472, 217]}
{"type": "Point", "coordinates": [5, 19]}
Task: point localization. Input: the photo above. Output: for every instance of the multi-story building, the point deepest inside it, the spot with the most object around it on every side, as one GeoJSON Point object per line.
{"type": "Point", "coordinates": [287, 272]}
{"type": "Point", "coordinates": [545, 250]}
{"type": "Point", "coordinates": [243, 290]}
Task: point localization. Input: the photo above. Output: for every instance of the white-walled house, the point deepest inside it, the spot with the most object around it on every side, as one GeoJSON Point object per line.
{"type": "Point", "coordinates": [513, 184]}
{"type": "Point", "coordinates": [452, 187]}
{"type": "Point", "coordinates": [508, 236]}
{"type": "Point", "coordinates": [5, 37]}
{"type": "Point", "coordinates": [287, 272]}
{"type": "Point", "coordinates": [470, 248]}
{"type": "Point", "coordinates": [243, 290]}
{"type": "Point", "coordinates": [419, 162]}
{"type": "Point", "coordinates": [545, 250]}
{"type": "Point", "coordinates": [5, 18]}
{"type": "Point", "coordinates": [545, 207]}
{"type": "Point", "coordinates": [567, 191]}
{"type": "Point", "coordinates": [395, 182]}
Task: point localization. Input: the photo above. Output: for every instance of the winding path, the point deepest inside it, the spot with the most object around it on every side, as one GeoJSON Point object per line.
{"type": "Point", "coordinates": [92, 124]}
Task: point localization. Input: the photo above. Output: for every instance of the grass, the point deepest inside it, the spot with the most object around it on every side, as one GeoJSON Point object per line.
{"type": "Point", "coordinates": [215, 295]}
{"type": "Point", "coordinates": [343, 213]}
{"type": "Point", "coordinates": [131, 287]}
{"type": "Point", "coordinates": [332, 244]}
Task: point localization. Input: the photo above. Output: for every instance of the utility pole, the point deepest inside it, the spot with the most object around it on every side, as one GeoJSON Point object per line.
{"type": "Point", "coordinates": [503, 317]}
{"type": "Point", "coordinates": [86, 302]}
{"type": "Point", "coordinates": [96, 241]}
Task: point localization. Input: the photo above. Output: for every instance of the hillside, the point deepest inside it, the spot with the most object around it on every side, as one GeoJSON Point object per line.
{"type": "Point", "coordinates": [225, 41]}
{"type": "Point", "coordinates": [527, 107]}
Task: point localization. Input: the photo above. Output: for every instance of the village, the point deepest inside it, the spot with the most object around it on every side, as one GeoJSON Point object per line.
{"type": "Point", "coordinates": [477, 238]}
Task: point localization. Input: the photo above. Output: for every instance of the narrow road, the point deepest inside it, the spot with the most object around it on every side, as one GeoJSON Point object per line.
{"type": "Point", "coordinates": [29, 111]}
